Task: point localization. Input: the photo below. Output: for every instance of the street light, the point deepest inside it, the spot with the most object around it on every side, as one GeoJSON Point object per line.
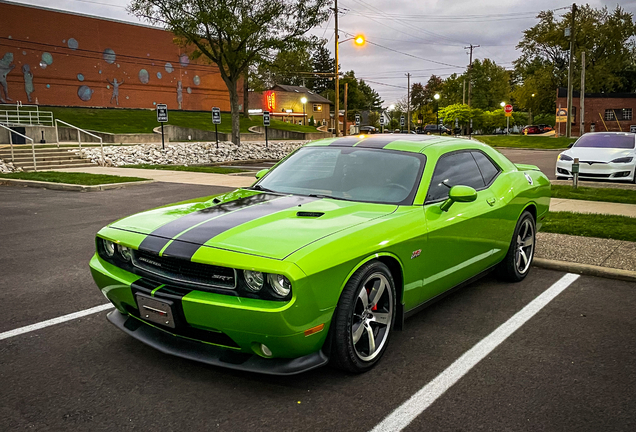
{"type": "Point", "coordinates": [392, 109]}
{"type": "Point", "coordinates": [359, 40]}
{"type": "Point", "coordinates": [436, 97]}
{"type": "Point", "coordinates": [503, 104]}
{"type": "Point", "coordinates": [303, 100]}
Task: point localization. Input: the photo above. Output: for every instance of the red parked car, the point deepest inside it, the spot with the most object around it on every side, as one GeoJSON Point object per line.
{"type": "Point", "coordinates": [531, 130]}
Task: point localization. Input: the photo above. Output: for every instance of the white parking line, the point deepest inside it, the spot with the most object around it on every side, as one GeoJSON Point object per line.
{"type": "Point", "coordinates": [403, 415]}
{"type": "Point", "coordinates": [54, 321]}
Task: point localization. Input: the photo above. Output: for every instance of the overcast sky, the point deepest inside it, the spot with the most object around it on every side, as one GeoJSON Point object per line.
{"type": "Point", "coordinates": [421, 30]}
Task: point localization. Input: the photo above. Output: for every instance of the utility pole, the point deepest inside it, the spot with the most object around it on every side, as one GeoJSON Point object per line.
{"type": "Point", "coordinates": [344, 122]}
{"type": "Point", "coordinates": [408, 103]}
{"type": "Point", "coordinates": [470, 68]}
{"type": "Point", "coordinates": [582, 96]}
{"type": "Point", "coordinates": [568, 123]}
{"type": "Point", "coordinates": [464, 92]}
{"type": "Point", "coordinates": [337, 107]}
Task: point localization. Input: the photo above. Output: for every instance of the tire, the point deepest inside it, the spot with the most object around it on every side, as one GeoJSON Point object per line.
{"type": "Point", "coordinates": [360, 336]}
{"type": "Point", "coordinates": [516, 265]}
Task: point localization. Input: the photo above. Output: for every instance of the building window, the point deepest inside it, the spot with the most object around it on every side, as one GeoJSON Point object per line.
{"type": "Point", "coordinates": [317, 108]}
{"type": "Point", "coordinates": [609, 114]}
{"type": "Point", "coordinates": [627, 113]}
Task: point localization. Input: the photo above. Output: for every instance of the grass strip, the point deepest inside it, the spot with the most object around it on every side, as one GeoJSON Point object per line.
{"type": "Point", "coordinates": [143, 121]}
{"type": "Point", "coordinates": [624, 196]}
{"type": "Point", "coordinates": [192, 168]}
{"type": "Point", "coordinates": [591, 225]}
{"type": "Point", "coordinates": [522, 141]}
{"type": "Point", "coordinates": [70, 178]}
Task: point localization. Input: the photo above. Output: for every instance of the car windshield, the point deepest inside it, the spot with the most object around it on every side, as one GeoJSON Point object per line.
{"type": "Point", "coordinates": [355, 174]}
{"type": "Point", "coordinates": [620, 141]}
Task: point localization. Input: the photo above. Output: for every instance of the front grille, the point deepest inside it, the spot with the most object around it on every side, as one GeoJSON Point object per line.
{"type": "Point", "coordinates": [594, 175]}
{"type": "Point", "coordinates": [178, 269]}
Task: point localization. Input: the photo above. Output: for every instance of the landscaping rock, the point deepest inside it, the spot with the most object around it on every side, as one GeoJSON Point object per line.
{"type": "Point", "coordinates": [198, 153]}
{"type": "Point", "coordinates": [8, 167]}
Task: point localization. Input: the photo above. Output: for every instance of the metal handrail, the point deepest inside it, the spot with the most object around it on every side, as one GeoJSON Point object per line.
{"type": "Point", "coordinates": [79, 137]}
{"type": "Point", "coordinates": [11, 131]}
{"type": "Point", "coordinates": [30, 117]}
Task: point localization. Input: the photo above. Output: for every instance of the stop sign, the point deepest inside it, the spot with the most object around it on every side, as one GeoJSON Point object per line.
{"type": "Point", "coordinates": [508, 109]}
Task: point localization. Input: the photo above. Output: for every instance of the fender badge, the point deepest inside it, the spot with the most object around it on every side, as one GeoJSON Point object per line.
{"type": "Point", "coordinates": [528, 178]}
{"type": "Point", "coordinates": [416, 253]}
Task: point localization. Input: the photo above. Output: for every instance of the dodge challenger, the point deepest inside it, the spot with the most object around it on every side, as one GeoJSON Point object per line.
{"type": "Point", "coordinates": [324, 256]}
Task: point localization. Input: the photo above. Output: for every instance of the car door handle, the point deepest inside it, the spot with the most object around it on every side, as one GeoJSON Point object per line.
{"type": "Point", "coordinates": [491, 201]}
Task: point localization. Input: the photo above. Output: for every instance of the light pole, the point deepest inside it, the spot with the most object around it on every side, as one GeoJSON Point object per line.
{"type": "Point", "coordinates": [436, 97]}
{"type": "Point", "coordinates": [359, 40]}
{"type": "Point", "coordinates": [303, 100]}
{"type": "Point", "coordinates": [503, 104]}
{"type": "Point", "coordinates": [392, 109]}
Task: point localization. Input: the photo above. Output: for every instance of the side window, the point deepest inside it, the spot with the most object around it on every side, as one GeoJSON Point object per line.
{"type": "Point", "coordinates": [452, 170]}
{"type": "Point", "coordinates": [488, 170]}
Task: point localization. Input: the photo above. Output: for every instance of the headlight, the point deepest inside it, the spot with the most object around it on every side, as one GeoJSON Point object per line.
{"type": "Point", "coordinates": [254, 280]}
{"type": "Point", "coordinates": [280, 284]}
{"type": "Point", "coordinates": [125, 253]}
{"type": "Point", "coordinates": [109, 248]}
{"type": "Point", "coordinates": [565, 157]}
{"type": "Point", "coordinates": [623, 160]}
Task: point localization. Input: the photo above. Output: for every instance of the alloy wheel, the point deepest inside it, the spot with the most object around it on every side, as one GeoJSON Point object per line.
{"type": "Point", "coordinates": [372, 317]}
{"type": "Point", "coordinates": [525, 246]}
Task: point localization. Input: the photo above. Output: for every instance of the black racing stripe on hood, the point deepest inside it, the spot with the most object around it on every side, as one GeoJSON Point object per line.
{"type": "Point", "coordinates": [346, 142]}
{"type": "Point", "coordinates": [160, 237]}
{"type": "Point", "coordinates": [189, 242]}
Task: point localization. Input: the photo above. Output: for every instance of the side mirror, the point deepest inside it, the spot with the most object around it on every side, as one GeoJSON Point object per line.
{"type": "Point", "coordinates": [570, 145]}
{"type": "Point", "coordinates": [261, 173]}
{"type": "Point", "coordinates": [459, 194]}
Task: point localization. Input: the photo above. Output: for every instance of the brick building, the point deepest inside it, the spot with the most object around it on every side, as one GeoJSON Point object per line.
{"type": "Point", "coordinates": [284, 103]}
{"type": "Point", "coordinates": [53, 57]}
{"type": "Point", "coordinates": [603, 111]}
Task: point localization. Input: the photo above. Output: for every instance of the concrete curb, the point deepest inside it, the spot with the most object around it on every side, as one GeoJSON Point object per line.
{"type": "Point", "coordinates": [529, 148]}
{"type": "Point", "coordinates": [586, 269]}
{"type": "Point", "coordinates": [70, 187]}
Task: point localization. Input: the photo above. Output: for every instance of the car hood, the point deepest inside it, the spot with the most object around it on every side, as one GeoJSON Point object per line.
{"type": "Point", "coordinates": [263, 224]}
{"type": "Point", "coordinates": [596, 154]}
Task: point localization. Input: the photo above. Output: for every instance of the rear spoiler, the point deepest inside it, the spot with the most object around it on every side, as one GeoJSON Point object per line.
{"type": "Point", "coordinates": [526, 167]}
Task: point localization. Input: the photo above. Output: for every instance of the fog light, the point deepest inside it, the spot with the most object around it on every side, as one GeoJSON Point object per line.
{"type": "Point", "coordinates": [622, 174]}
{"type": "Point", "coordinates": [125, 252]}
{"type": "Point", "coordinates": [266, 351]}
{"type": "Point", "coordinates": [562, 171]}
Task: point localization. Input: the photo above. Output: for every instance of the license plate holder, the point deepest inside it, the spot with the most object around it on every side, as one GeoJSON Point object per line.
{"type": "Point", "coordinates": [155, 310]}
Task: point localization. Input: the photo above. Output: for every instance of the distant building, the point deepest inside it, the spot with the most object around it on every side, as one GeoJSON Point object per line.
{"type": "Point", "coordinates": [54, 57]}
{"type": "Point", "coordinates": [603, 111]}
{"type": "Point", "coordinates": [284, 103]}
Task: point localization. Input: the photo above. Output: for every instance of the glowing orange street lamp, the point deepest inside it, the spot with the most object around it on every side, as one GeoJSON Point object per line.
{"type": "Point", "coordinates": [359, 40]}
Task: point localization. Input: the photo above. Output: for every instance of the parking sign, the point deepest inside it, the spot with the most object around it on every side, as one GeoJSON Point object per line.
{"type": "Point", "coordinates": [216, 115]}
{"type": "Point", "coordinates": [162, 113]}
{"type": "Point", "coordinates": [402, 120]}
{"type": "Point", "coordinates": [265, 118]}
{"type": "Point", "coordinates": [381, 120]}
{"type": "Point", "coordinates": [357, 119]}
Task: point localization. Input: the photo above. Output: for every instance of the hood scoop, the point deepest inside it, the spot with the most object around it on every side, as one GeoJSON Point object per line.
{"type": "Point", "coordinates": [309, 214]}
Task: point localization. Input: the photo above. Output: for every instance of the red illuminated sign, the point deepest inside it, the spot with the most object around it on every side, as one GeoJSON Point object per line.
{"type": "Point", "coordinates": [271, 101]}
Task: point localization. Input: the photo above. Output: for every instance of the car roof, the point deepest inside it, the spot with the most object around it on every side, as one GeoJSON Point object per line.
{"type": "Point", "coordinates": [402, 142]}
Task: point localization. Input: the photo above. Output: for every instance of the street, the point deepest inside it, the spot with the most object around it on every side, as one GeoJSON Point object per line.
{"type": "Point", "coordinates": [569, 367]}
{"type": "Point", "coordinates": [544, 159]}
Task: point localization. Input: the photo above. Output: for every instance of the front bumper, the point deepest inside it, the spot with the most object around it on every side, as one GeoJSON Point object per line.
{"type": "Point", "coordinates": [598, 171]}
{"type": "Point", "coordinates": [211, 354]}
{"type": "Point", "coordinates": [211, 323]}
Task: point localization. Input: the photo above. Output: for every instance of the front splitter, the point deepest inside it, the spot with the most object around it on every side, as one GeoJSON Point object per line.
{"type": "Point", "coordinates": [211, 354]}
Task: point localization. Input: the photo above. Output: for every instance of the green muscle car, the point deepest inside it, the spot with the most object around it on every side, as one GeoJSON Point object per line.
{"type": "Point", "coordinates": [324, 255]}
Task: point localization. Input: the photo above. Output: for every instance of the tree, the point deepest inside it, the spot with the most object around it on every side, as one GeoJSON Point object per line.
{"type": "Point", "coordinates": [324, 67]}
{"type": "Point", "coordinates": [291, 66]}
{"type": "Point", "coordinates": [607, 39]}
{"type": "Point", "coordinates": [360, 96]}
{"type": "Point", "coordinates": [234, 34]}
{"type": "Point", "coordinates": [490, 85]}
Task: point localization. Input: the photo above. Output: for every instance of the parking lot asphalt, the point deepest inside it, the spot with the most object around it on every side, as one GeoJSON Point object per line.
{"type": "Point", "coordinates": [569, 367]}
{"type": "Point", "coordinates": [544, 159]}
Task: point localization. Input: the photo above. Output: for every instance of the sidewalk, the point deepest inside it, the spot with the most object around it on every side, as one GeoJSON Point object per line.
{"type": "Point", "coordinates": [599, 207]}
{"type": "Point", "coordinates": [171, 176]}
{"type": "Point", "coordinates": [615, 254]}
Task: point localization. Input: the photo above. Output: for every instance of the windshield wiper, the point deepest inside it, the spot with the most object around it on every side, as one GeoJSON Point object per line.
{"type": "Point", "coordinates": [327, 196]}
{"type": "Point", "coordinates": [260, 188]}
